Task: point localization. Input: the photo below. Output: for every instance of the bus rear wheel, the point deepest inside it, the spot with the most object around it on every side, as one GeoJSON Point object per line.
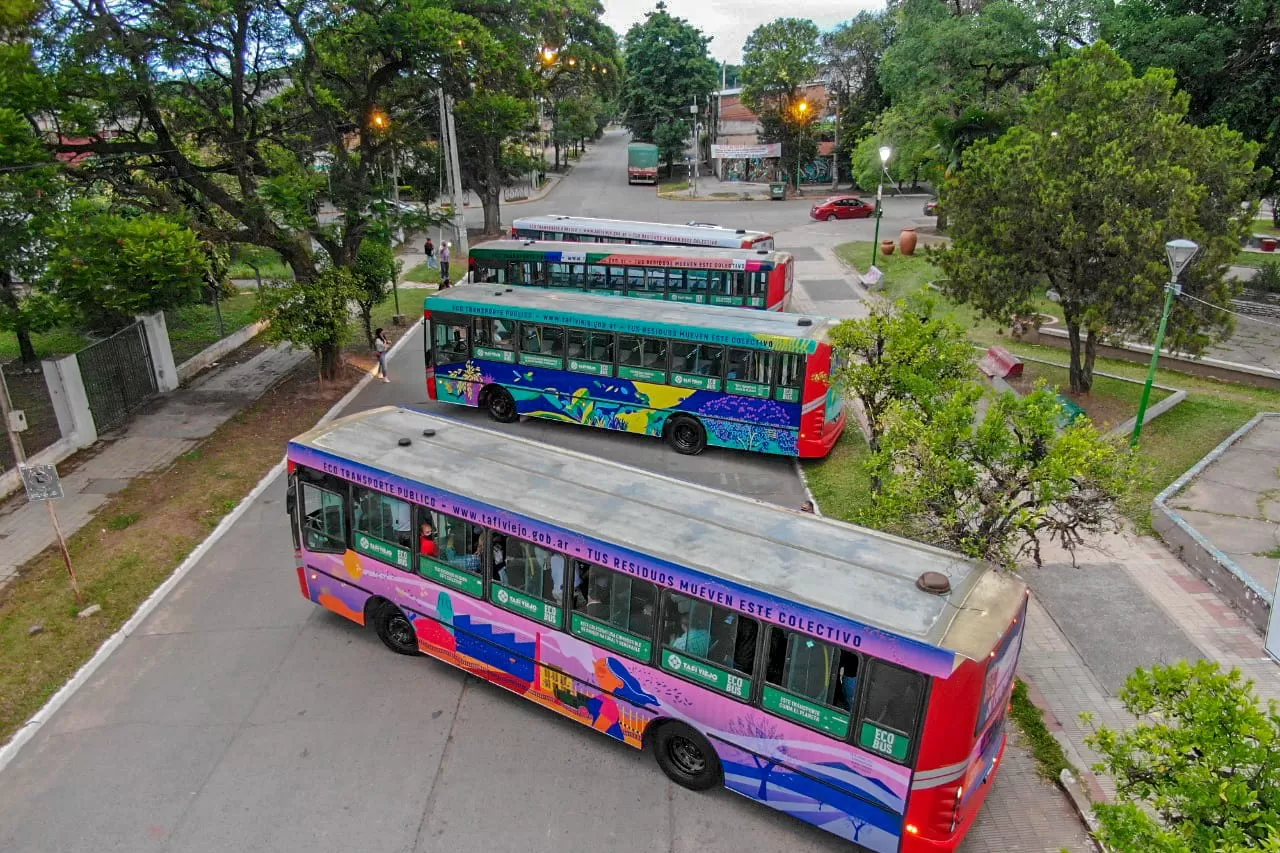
{"type": "Point", "coordinates": [686, 435]}
{"type": "Point", "coordinates": [395, 630]}
{"type": "Point", "coordinates": [501, 405]}
{"type": "Point", "coordinates": [686, 757]}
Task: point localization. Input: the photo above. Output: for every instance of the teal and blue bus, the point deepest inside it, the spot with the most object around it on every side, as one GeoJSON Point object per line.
{"type": "Point", "coordinates": [695, 375]}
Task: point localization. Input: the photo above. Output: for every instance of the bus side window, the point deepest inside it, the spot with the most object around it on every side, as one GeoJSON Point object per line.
{"type": "Point", "coordinates": [758, 283]}
{"type": "Point", "coordinates": [746, 365]}
{"type": "Point", "coordinates": [617, 278]}
{"type": "Point", "coordinates": [736, 280]}
{"type": "Point", "coordinates": [324, 525]}
{"type": "Point", "coordinates": [790, 379]}
{"type": "Point", "coordinates": [383, 517]}
{"type": "Point", "coordinates": [452, 337]}
{"type": "Point", "coordinates": [812, 669]}
{"type": "Point", "coordinates": [696, 282]}
{"type": "Point", "coordinates": [716, 634]}
{"type": "Point", "coordinates": [621, 601]}
{"type": "Point", "coordinates": [597, 277]}
{"type": "Point", "coordinates": [890, 711]}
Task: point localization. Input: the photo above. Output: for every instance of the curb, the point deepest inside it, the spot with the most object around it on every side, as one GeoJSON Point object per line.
{"type": "Point", "coordinates": [31, 727]}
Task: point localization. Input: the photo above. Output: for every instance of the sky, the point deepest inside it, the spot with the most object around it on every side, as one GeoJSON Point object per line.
{"type": "Point", "coordinates": [729, 22]}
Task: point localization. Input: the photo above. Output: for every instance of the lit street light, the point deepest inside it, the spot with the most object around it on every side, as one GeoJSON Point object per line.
{"type": "Point", "coordinates": [1180, 253]}
{"type": "Point", "coordinates": [801, 110]}
{"type": "Point", "coordinates": [885, 153]}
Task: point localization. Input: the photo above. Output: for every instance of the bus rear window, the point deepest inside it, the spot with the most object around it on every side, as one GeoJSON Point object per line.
{"type": "Point", "coordinates": [1000, 669]}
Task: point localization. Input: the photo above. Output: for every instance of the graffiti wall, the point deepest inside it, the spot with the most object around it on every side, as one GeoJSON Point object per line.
{"type": "Point", "coordinates": [759, 170]}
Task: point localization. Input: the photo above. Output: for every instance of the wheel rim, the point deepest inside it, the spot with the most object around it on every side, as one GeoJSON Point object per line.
{"type": "Point", "coordinates": [686, 756]}
{"type": "Point", "coordinates": [831, 218]}
{"type": "Point", "coordinates": [685, 434]}
{"type": "Point", "coordinates": [501, 405]}
{"type": "Point", "coordinates": [400, 631]}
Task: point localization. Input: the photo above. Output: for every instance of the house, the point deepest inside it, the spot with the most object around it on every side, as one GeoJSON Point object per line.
{"type": "Point", "coordinates": [735, 130]}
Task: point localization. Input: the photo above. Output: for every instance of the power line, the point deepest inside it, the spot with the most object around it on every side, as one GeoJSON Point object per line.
{"type": "Point", "coordinates": [1233, 313]}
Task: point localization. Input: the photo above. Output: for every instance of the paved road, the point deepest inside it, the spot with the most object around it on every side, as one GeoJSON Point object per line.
{"type": "Point", "coordinates": [242, 717]}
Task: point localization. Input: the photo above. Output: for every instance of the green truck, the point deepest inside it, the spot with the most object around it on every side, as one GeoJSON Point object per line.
{"type": "Point", "coordinates": [642, 163]}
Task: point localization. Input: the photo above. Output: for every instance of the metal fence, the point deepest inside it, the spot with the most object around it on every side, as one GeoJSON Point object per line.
{"type": "Point", "coordinates": [30, 395]}
{"type": "Point", "coordinates": [117, 375]}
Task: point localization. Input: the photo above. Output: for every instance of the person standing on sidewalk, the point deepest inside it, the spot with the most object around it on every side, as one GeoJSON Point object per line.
{"type": "Point", "coordinates": [444, 267]}
{"type": "Point", "coordinates": [380, 346]}
{"type": "Point", "coordinates": [430, 251]}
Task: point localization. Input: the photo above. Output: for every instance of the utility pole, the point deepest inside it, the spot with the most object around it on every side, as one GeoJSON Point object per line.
{"type": "Point", "coordinates": [697, 144]}
{"type": "Point", "coordinates": [835, 151]}
{"type": "Point", "coordinates": [450, 131]}
{"type": "Point", "coordinates": [19, 462]}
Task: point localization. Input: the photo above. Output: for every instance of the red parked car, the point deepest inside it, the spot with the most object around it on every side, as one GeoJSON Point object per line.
{"type": "Point", "coordinates": [842, 207]}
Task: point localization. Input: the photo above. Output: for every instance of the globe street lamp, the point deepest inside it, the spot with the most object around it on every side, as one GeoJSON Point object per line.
{"type": "Point", "coordinates": [885, 153]}
{"type": "Point", "coordinates": [1180, 253]}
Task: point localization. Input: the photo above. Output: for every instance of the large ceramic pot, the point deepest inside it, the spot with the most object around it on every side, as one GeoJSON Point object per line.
{"type": "Point", "coordinates": [886, 247]}
{"type": "Point", "coordinates": [907, 240]}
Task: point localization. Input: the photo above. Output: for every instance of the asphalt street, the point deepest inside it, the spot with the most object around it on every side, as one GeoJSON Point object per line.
{"type": "Point", "coordinates": [241, 717]}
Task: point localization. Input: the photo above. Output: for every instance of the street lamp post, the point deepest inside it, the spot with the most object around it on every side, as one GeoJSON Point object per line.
{"type": "Point", "coordinates": [885, 153]}
{"type": "Point", "coordinates": [1180, 253]}
{"type": "Point", "coordinates": [802, 109]}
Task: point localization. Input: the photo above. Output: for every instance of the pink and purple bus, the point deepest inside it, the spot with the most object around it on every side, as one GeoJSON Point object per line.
{"type": "Point", "coordinates": [851, 679]}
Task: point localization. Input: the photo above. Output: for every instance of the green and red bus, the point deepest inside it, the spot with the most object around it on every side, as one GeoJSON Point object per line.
{"type": "Point", "coordinates": [746, 278]}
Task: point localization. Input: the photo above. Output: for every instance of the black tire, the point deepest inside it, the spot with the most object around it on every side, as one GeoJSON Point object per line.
{"type": "Point", "coordinates": [686, 435]}
{"type": "Point", "coordinates": [501, 406]}
{"type": "Point", "coordinates": [831, 217]}
{"type": "Point", "coordinates": [395, 630]}
{"type": "Point", "coordinates": [686, 757]}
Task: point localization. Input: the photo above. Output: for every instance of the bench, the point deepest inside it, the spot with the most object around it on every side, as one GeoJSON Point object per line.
{"type": "Point", "coordinates": [1000, 363]}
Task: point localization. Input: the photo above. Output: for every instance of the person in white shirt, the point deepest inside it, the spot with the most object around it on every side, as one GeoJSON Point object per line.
{"type": "Point", "coordinates": [380, 347]}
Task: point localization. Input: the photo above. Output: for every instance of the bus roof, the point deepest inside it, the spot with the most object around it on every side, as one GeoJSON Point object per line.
{"type": "Point", "coordinates": [860, 575]}
{"type": "Point", "coordinates": [632, 250]}
{"type": "Point", "coordinates": [656, 316]}
{"type": "Point", "coordinates": [637, 229]}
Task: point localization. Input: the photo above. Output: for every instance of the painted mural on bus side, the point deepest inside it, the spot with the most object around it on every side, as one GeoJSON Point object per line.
{"type": "Point", "coordinates": [833, 785]}
{"type": "Point", "coordinates": [739, 422]}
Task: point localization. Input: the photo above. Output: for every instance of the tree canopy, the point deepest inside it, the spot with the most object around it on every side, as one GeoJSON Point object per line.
{"type": "Point", "coordinates": [778, 59]}
{"type": "Point", "coordinates": [1081, 198]}
{"type": "Point", "coordinates": [668, 70]}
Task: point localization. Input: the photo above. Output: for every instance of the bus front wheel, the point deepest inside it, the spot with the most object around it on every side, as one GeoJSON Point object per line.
{"type": "Point", "coordinates": [395, 630]}
{"type": "Point", "coordinates": [686, 757]}
{"type": "Point", "coordinates": [686, 435]}
{"type": "Point", "coordinates": [501, 406]}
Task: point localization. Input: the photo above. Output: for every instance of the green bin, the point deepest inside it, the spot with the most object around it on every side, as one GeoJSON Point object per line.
{"type": "Point", "coordinates": [1071, 412]}
{"type": "Point", "coordinates": [777, 190]}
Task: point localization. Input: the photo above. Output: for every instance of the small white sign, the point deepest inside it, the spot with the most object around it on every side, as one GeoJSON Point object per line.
{"type": "Point", "coordinates": [872, 277]}
{"type": "Point", "coordinates": [41, 482]}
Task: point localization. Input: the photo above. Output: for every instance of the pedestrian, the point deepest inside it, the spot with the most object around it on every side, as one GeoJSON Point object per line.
{"type": "Point", "coordinates": [380, 346]}
{"type": "Point", "coordinates": [430, 250]}
{"type": "Point", "coordinates": [807, 506]}
{"type": "Point", "coordinates": [444, 266]}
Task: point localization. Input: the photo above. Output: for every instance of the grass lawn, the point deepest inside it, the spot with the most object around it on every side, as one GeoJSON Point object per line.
{"type": "Point", "coordinates": [673, 186]}
{"type": "Point", "coordinates": [59, 341]}
{"type": "Point", "coordinates": [1268, 228]}
{"type": "Point", "coordinates": [1255, 259]}
{"type": "Point", "coordinates": [424, 273]}
{"type": "Point", "coordinates": [194, 327]}
{"type": "Point", "coordinates": [838, 482]}
{"type": "Point", "coordinates": [1110, 403]}
{"type": "Point", "coordinates": [268, 261]}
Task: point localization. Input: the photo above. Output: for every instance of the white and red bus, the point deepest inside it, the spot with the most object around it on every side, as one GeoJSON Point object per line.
{"type": "Point", "coordinates": [744, 278]}
{"type": "Point", "coordinates": [853, 680]}
{"type": "Point", "coordinates": [582, 229]}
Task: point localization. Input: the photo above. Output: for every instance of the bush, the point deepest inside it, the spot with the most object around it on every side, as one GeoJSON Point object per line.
{"type": "Point", "coordinates": [1267, 278]}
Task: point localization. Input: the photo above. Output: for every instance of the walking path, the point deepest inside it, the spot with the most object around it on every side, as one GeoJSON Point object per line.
{"type": "Point", "coordinates": [153, 438]}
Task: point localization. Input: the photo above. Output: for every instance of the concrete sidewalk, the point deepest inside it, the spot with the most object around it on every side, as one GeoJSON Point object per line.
{"type": "Point", "coordinates": [163, 430]}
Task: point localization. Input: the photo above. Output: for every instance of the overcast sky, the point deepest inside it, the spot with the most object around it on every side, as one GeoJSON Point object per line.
{"type": "Point", "coordinates": [731, 21]}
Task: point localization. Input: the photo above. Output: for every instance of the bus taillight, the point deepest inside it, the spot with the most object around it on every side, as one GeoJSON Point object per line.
{"type": "Point", "coordinates": [946, 811]}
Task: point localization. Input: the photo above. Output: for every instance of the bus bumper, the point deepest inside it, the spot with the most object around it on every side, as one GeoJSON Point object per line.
{"type": "Point", "coordinates": [912, 843]}
{"type": "Point", "coordinates": [816, 447]}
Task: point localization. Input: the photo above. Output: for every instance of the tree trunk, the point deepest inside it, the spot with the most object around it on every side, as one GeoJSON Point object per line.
{"type": "Point", "coordinates": [366, 319]}
{"type": "Point", "coordinates": [490, 200]}
{"type": "Point", "coordinates": [1081, 361]}
{"type": "Point", "coordinates": [8, 298]}
{"type": "Point", "coordinates": [330, 358]}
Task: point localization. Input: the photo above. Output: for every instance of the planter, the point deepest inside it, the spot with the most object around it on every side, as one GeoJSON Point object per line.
{"type": "Point", "coordinates": [907, 240]}
{"type": "Point", "coordinates": [886, 247]}
{"type": "Point", "coordinates": [1268, 244]}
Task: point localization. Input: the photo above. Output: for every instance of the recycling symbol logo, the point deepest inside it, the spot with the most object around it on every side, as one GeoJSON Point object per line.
{"type": "Point", "coordinates": [502, 596]}
{"type": "Point", "coordinates": [673, 661]}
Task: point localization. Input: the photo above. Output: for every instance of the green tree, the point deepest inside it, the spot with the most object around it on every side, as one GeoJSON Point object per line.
{"type": "Point", "coordinates": [220, 112]}
{"type": "Point", "coordinates": [1223, 56]}
{"type": "Point", "coordinates": [1082, 197]}
{"type": "Point", "coordinates": [1200, 771]}
{"type": "Point", "coordinates": [671, 138]}
{"type": "Point", "coordinates": [30, 188]}
{"type": "Point", "coordinates": [668, 70]}
{"type": "Point", "coordinates": [312, 313]}
{"type": "Point", "coordinates": [779, 59]}
{"type": "Point", "coordinates": [992, 486]}
{"type": "Point", "coordinates": [486, 120]}
{"type": "Point", "coordinates": [851, 55]}
{"type": "Point", "coordinates": [899, 354]}
{"type": "Point", "coordinates": [111, 267]}
{"type": "Point", "coordinates": [375, 269]}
